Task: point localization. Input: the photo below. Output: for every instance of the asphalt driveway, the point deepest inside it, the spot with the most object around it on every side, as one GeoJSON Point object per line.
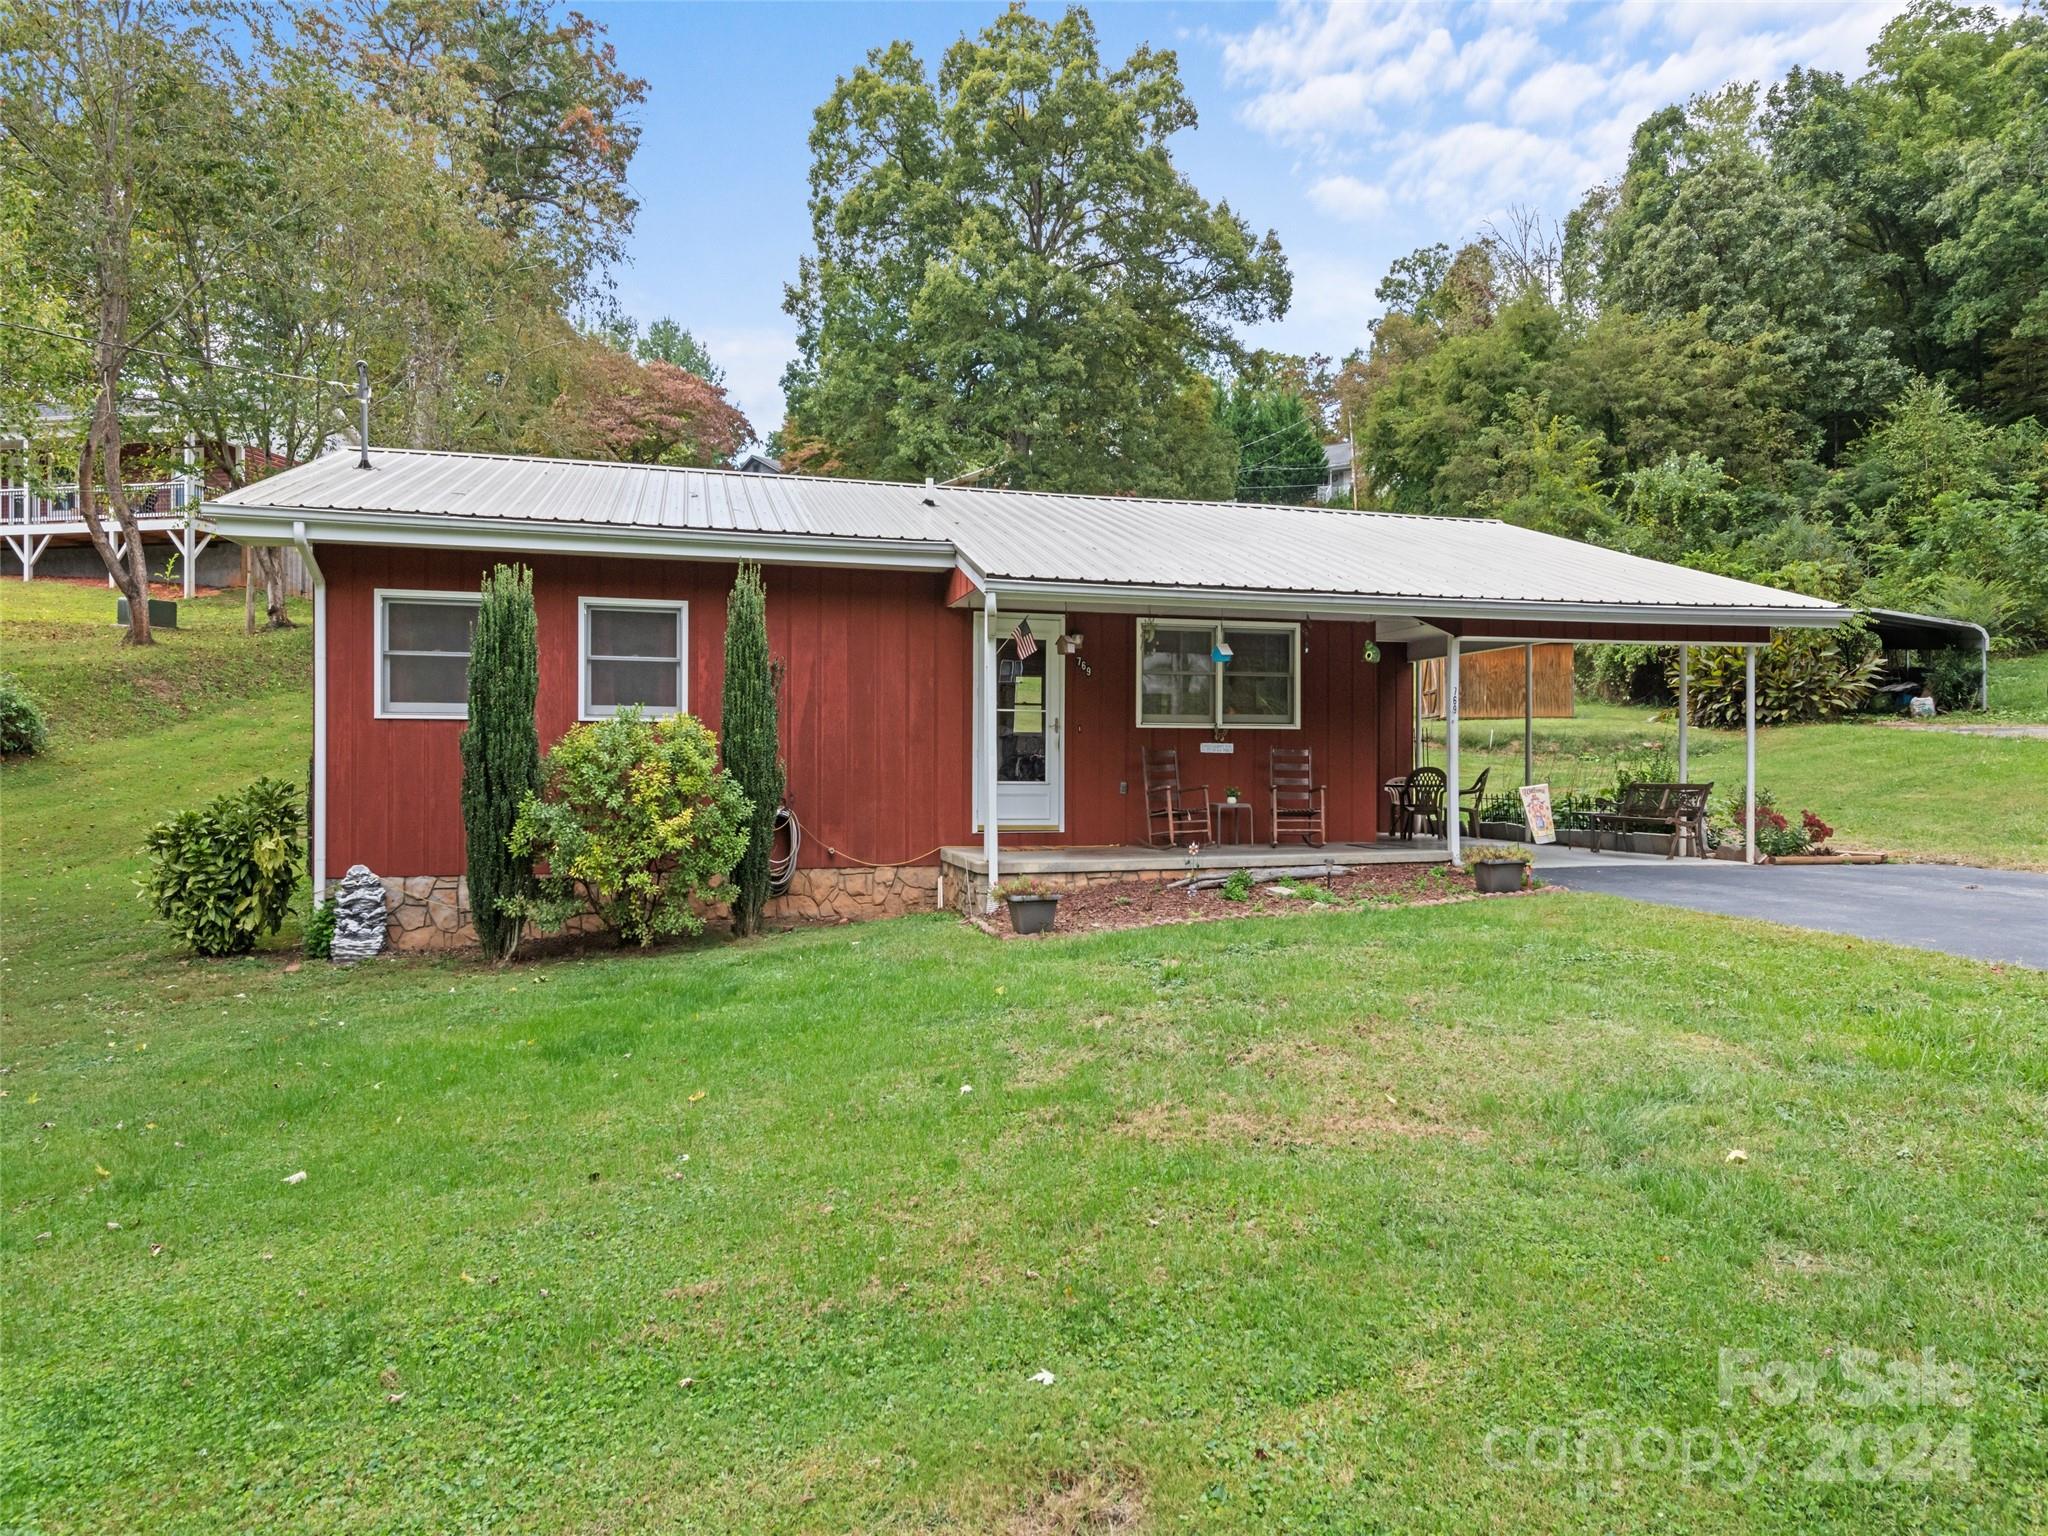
{"type": "Point", "coordinates": [1984, 914]}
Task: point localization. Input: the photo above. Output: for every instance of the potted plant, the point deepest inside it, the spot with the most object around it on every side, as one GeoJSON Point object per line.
{"type": "Point", "coordinates": [1497, 871]}
{"type": "Point", "coordinates": [1230, 795]}
{"type": "Point", "coordinates": [1033, 905]}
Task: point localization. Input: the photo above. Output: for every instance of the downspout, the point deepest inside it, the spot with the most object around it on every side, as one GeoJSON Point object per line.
{"type": "Point", "coordinates": [317, 833]}
{"type": "Point", "coordinates": [988, 705]}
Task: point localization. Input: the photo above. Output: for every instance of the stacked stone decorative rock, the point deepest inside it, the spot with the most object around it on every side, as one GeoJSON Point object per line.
{"type": "Point", "coordinates": [359, 919]}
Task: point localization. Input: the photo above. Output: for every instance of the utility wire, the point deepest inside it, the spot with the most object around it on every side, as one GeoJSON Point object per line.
{"type": "Point", "coordinates": [180, 357]}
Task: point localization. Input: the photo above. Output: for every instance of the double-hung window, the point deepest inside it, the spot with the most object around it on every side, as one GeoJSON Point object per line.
{"type": "Point", "coordinates": [1182, 682]}
{"type": "Point", "coordinates": [633, 652]}
{"type": "Point", "coordinates": [423, 654]}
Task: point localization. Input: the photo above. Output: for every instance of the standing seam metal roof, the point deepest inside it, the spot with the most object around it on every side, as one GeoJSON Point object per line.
{"type": "Point", "coordinates": [1025, 536]}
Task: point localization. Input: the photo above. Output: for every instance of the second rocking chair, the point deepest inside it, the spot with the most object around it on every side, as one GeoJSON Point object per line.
{"type": "Point", "coordinates": [1172, 814]}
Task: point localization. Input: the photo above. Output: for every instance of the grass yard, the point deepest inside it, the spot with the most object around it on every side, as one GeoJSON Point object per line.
{"type": "Point", "coordinates": [1924, 794]}
{"type": "Point", "coordinates": [1338, 1221]}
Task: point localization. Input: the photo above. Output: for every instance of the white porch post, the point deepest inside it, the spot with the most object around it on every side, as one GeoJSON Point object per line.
{"type": "Point", "coordinates": [1528, 714]}
{"type": "Point", "coordinates": [1749, 754]}
{"type": "Point", "coordinates": [988, 708]}
{"type": "Point", "coordinates": [1451, 746]}
{"type": "Point", "coordinates": [1684, 712]}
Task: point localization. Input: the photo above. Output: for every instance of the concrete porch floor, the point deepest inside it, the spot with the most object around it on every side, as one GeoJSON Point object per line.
{"type": "Point", "coordinates": [1138, 858]}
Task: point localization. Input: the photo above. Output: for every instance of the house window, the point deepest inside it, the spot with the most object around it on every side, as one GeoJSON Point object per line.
{"type": "Point", "coordinates": [1180, 683]}
{"type": "Point", "coordinates": [634, 652]}
{"type": "Point", "coordinates": [423, 653]}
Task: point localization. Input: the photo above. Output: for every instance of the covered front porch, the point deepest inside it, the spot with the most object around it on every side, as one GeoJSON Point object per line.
{"type": "Point", "coordinates": [1343, 706]}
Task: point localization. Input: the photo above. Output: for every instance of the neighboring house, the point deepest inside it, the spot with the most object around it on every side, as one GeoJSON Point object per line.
{"type": "Point", "coordinates": [755, 462]}
{"type": "Point", "coordinates": [1336, 484]}
{"type": "Point", "coordinates": [43, 532]}
{"type": "Point", "coordinates": [900, 614]}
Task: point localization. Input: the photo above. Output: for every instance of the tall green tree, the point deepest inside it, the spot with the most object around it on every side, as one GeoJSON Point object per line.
{"type": "Point", "coordinates": [677, 345]}
{"type": "Point", "coordinates": [500, 756]}
{"type": "Point", "coordinates": [1279, 447]}
{"type": "Point", "coordinates": [1010, 272]}
{"type": "Point", "coordinates": [751, 744]}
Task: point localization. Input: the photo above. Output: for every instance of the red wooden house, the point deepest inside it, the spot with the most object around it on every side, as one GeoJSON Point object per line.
{"type": "Point", "coordinates": [1100, 627]}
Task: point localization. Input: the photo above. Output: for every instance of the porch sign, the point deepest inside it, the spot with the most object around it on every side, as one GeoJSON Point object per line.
{"type": "Point", "coordinates": [1536, 813]}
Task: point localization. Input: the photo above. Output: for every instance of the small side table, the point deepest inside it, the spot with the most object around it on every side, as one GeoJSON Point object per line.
{"type": "Point", "coordinates": [1238, 817]}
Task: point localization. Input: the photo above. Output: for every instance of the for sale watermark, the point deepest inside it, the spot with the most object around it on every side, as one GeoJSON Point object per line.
{"type": "Point", "coordinates": [1855, 1416]}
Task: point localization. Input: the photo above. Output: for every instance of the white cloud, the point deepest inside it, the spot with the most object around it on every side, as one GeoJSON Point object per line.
{"type": "Point", "coordinates": [753, 358]}
{"type": "Point", "coordinates": [1346, 197]}
{"type": "Point", "coordinates": [1556, 93]}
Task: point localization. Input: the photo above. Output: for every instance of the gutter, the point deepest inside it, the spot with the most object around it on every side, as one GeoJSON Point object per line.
{"type": "Point", "coordinates": [317, 833]}
{"type": "Point", "coordinates": [1208, 600]}
{"type": "Point", "coordinates": [256, 524]}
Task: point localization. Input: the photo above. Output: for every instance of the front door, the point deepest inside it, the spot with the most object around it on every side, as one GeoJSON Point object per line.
{"type": "Point", "coordinates": [1030, 705]}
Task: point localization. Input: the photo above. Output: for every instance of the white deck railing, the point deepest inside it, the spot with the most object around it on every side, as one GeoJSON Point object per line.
{"type": "Point", "coordinates": [25, 506]}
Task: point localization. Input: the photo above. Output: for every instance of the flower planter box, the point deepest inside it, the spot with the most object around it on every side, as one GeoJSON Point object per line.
{"type": "Point", "coordinates": [1581, 837]}
{"type": "Point", "coordinates": [1497, 877]}
{"type": "Point", "coordinates": [1032, 914]}
{"type": "Point", "coordinates": [163, 614]}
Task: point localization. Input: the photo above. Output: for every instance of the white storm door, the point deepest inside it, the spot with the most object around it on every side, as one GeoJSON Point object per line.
{"type": "Point", "coordinates": [1030, 725]}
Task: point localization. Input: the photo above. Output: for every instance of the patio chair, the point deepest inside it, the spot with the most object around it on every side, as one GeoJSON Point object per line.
{"type": "Point", "coordinates": [1174, 814]}
{"type": "Point", "coordinates": [1425, 801]}
{"type": "Point", "coordinates": [1476, 794]}
{"type": "Point", "coordinates": [1297, 798]}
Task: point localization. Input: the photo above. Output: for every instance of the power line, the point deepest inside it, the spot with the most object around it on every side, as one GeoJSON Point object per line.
{"type": "Point", "coordinates": [180, 357]}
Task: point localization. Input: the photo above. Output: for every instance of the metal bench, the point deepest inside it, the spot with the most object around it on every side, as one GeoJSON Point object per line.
{"type": "Point", "coordinates": [1677, 809]}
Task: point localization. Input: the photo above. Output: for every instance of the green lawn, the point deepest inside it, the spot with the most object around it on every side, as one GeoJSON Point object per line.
{"type": "Point", "coordinates": [1296, 1211]}
{"type": "Point", "coordinates": [1923, 794]}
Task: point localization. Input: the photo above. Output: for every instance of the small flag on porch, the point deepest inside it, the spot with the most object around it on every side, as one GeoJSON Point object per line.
{"type": "Point", "coordinates": [1021, 638]}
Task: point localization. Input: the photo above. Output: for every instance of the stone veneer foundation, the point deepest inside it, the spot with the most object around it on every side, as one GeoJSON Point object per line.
{"type": "Point", "coordinates": [431, 912]}
{"type": "Point", "coordinates": [966, 891]}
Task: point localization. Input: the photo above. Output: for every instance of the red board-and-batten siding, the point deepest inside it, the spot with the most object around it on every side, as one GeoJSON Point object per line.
{"type": "Point", "coordinates": [877, 710]}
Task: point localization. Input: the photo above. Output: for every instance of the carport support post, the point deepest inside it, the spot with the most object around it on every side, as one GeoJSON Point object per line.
{"type": "Point", "coordinates": [988, 705]}
{"type": "Point", "coordinates": [1684, 710]}
{"type": "Point", "coordinates": [1451, 801]}
{"type": "Point", "coordinates": [1749, 754]}
{"type": "Point", "coordinates": [1528, 714]}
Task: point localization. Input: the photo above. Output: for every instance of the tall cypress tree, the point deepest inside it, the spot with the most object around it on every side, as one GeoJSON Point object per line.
{"type": "Point", "coordinates": [500, 753]}
{"type": "Point", "coordinates": [752, 752]}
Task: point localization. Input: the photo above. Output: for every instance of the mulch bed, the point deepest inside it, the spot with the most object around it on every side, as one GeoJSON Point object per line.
{"type": "Point", "coordinates": [1145, 904]}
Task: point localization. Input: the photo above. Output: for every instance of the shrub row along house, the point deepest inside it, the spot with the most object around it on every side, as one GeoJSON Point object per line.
{"type": "Point", "coordinates": [948, 650]}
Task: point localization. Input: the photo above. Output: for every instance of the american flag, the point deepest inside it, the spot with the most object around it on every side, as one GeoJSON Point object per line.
{"type": "Point", "coordinates": [1021, 638]}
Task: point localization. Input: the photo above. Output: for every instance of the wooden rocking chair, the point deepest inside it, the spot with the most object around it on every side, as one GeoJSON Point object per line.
{"type": "Point", "coordinates": [1297, 798]}
{"type": "Point", "coordinates": [1173, 814]}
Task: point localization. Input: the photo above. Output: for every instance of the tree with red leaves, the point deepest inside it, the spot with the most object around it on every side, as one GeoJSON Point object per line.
{"type": "Point", "coordinates": [612, 407]}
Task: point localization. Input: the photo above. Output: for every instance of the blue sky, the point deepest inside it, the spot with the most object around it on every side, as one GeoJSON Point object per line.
{"type": "Point", "coordinates": [1358, 132]}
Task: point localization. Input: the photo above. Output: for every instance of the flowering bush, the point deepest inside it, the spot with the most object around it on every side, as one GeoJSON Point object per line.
{"type": "Point", "coordinates": [635, 821]}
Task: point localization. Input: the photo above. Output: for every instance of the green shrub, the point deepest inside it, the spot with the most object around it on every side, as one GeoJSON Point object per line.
{"type": "Point", "coordinates": [1238, 887]}
{"type": "Point", "coordinates": [224, 876]}
{"type": "Point", "coordinates": [753, 754]}
{"type": "Point", "coordinates": [23, 730]}
{"type": "Point", "coordinates": [1625, 674]}
{"type": "Point", "coordinates": [500, 755]}
{"type": "Point", "coordinates": [320, 932]}
{"type": "Point", "coordinates": [1953, 676]}
{"type": "Point", "coordinates": [634, 822]}
{"type": "Point", "coordinates": [1803, 674]}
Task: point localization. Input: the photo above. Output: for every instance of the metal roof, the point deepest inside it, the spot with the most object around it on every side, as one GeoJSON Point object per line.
{"type": "Point", "coordinates": [1012, 537]}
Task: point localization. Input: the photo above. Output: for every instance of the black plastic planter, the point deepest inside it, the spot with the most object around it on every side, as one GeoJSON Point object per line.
{"type": "Point", "coordinates": [1033, 914]}
{"type": "Point", "coordinates": [163, 614]}
{"type": "Point", "coordinates": [1496, 877]}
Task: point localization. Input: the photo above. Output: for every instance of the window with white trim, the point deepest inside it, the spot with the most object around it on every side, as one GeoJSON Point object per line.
{"type": "Point", "coordinates": [633, 652]}
{"type": "Point", "coordinates": [1181, 683]}
{"type": "Point", "coordinates": [423, 653]}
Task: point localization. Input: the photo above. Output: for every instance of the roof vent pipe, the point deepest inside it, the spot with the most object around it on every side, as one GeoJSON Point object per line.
{"type": "Point", "coordinates": [363, 412]}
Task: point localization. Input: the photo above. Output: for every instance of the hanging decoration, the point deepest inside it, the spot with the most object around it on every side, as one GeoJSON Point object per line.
{"type": "Point", "coordinates": [1371, 651]}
